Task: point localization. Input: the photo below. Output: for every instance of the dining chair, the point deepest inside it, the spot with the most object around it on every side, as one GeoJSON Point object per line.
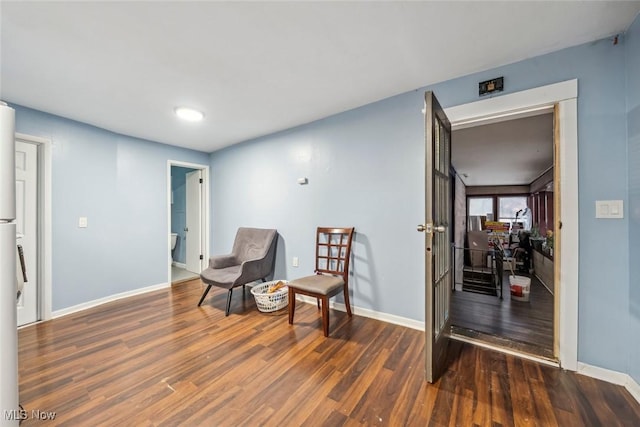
{"type": "Point", "coordinates": [333, 253]}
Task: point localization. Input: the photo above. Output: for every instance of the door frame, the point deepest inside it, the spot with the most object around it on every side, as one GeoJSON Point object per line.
{"type": "Point", "coordinates": [44, 184]}
{"type": "Point", "coordinates": [204, 229]}
{"type": "Point", "coordinates": [529, 102]}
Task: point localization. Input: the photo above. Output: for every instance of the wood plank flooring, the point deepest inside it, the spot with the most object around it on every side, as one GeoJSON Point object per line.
{"type": "Point", "coordinates": [528, 324]}
{"type": "Point", "coordinates": [157, 359]}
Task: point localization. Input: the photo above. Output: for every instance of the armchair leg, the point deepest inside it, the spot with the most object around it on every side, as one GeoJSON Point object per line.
{"type": "Point", "coordinates": [206, 291]}
{"type": "Point", "coordinates": [226, 313]}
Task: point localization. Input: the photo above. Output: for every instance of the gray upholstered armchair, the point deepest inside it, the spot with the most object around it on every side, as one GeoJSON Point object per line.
{"type": "Point", "coordinates": [251, 259]}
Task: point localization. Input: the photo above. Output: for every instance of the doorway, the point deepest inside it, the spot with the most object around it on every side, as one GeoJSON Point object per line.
{"type": "Point", "coordinates": [33, 185]}
{"type": "Point", "coordinates": [563, 98]}
{"type": "Point", "coordinates": [188, 220]}
{"type": "Point", "coordinates": [27, 228]}
{"type": "Point", "coordinates": [504, 195]}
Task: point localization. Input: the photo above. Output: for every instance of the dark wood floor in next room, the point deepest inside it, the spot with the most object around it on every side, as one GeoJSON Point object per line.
{"type": "Point", "coordinates": [157, 359]}
{"type": "Point", "coordinates": [521, 325]}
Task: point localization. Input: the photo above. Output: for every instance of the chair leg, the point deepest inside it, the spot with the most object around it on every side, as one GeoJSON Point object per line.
{"type": "Point", "coordinates": [325, 316]}
{"type": "Point", "coordinates": [346, 301]}
{"type": "Point", "coordinates": [226, 313]}
{"type": "Point", "coordinates": [206, 291]}
{"type": "Point", "coordinates": [243, 287]}
{"type": "Point", "coordinates": [292, 305]}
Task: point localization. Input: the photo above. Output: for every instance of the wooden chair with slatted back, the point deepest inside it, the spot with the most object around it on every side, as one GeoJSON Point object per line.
{"type": "Point", "coordinates": [333, 253]}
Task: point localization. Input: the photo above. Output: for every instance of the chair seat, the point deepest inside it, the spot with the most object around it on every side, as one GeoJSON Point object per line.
{"type": "Point", "coordinates": [318, 284]}
{"type": "Point", "coordinates": [221, 277]}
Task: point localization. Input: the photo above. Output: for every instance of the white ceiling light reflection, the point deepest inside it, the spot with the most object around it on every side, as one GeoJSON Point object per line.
{"type": "Point", "coordinates": [189, 114]}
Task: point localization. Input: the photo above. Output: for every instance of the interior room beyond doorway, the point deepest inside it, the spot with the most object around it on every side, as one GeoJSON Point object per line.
{"type": "Point", "coordinates": [503, 190]}
{"type": "Point", "coordinates": [182, 208]}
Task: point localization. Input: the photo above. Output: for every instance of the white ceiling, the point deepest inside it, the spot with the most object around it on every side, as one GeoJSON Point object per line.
{"type": "Point", "coordinates": [513, 152]}
{"type": "Point", "coordinates": [259, 67]}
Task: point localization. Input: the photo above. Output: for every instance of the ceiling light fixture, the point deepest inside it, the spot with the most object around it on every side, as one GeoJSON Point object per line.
{"type": "Point", "coordinates": [189, 114]}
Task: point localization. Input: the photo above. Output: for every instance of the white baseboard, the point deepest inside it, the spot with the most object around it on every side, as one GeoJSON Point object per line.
{"type": "Point", "coordinates": [110, 298]}
{"type": "Point", "coordinates": [371, 314]}
{"type": "Point", "coordinates": [634, 388]}
{"type": "Point", "coordinates": [179, 264]}
{"type": "Point", "coordinates": [610, 376]}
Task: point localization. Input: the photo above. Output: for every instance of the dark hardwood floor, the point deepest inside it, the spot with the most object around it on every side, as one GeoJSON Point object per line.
{"type": "Point", "coordinates": [524, 326]}
{"type": "Point", "coordinates": [157, 359]}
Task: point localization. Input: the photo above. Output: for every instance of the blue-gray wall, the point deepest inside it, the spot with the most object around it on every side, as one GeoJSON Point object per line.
{"type": "Point", "coordinates": [632, 45]}
{"type": "Point", "coordinates": [179, 210]}
{"type": "Point", "coordinates": [120, 184]}
{"type": "Point", "coordinates": [366, 169]}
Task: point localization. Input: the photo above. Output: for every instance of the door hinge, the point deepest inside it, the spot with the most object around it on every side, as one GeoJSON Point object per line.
{"type": "Point", "coordinates": [200, 180]}
{"type": "Point", "coordinates": [201, 257]}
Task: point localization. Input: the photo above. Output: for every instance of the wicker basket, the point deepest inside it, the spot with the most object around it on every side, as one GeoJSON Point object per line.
{"type": "Point", "coordinates": [275, 301]}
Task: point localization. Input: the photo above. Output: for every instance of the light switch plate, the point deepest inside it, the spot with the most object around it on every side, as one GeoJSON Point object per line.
{"type": "Point", "coordinates": [295, 261]}
{"type": "Point", "coordinates": [82, 222]}
{"type": "Point", "coordinates": [610, 209]}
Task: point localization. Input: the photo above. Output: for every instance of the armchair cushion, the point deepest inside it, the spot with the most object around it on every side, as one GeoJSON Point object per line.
{"type": "Point", "coordinates": [223, 261]}
{"type": "Point", "coordinates": [222, 277]}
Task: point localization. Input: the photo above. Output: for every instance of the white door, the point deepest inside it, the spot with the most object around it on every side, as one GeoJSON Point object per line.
{"type": "Point", "coordinates": [26, 227]}
{"type": "Point", "coordinates": [193, 230]}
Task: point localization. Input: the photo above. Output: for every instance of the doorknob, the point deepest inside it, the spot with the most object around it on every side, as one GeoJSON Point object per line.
{"type": "Point", "coordinates": [186, 229]}
{"type": "Point", "coordinates": [430, 228]}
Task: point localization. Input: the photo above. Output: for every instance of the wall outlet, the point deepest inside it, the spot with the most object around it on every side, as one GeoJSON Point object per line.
{"type": "Point", "coordinates": [295, 261]}
{"type": "Point", "coordinates": [82, 222]}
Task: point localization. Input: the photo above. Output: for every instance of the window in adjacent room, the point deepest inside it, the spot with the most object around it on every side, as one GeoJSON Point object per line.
{"type": "Point", "coordinates": [480, 206]}
{"type": "Point", "coordinates": [509, 207]}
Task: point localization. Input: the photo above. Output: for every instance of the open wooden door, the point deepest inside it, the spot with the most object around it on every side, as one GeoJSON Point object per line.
{"type": "Point", "coordinates": [438, 259]}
